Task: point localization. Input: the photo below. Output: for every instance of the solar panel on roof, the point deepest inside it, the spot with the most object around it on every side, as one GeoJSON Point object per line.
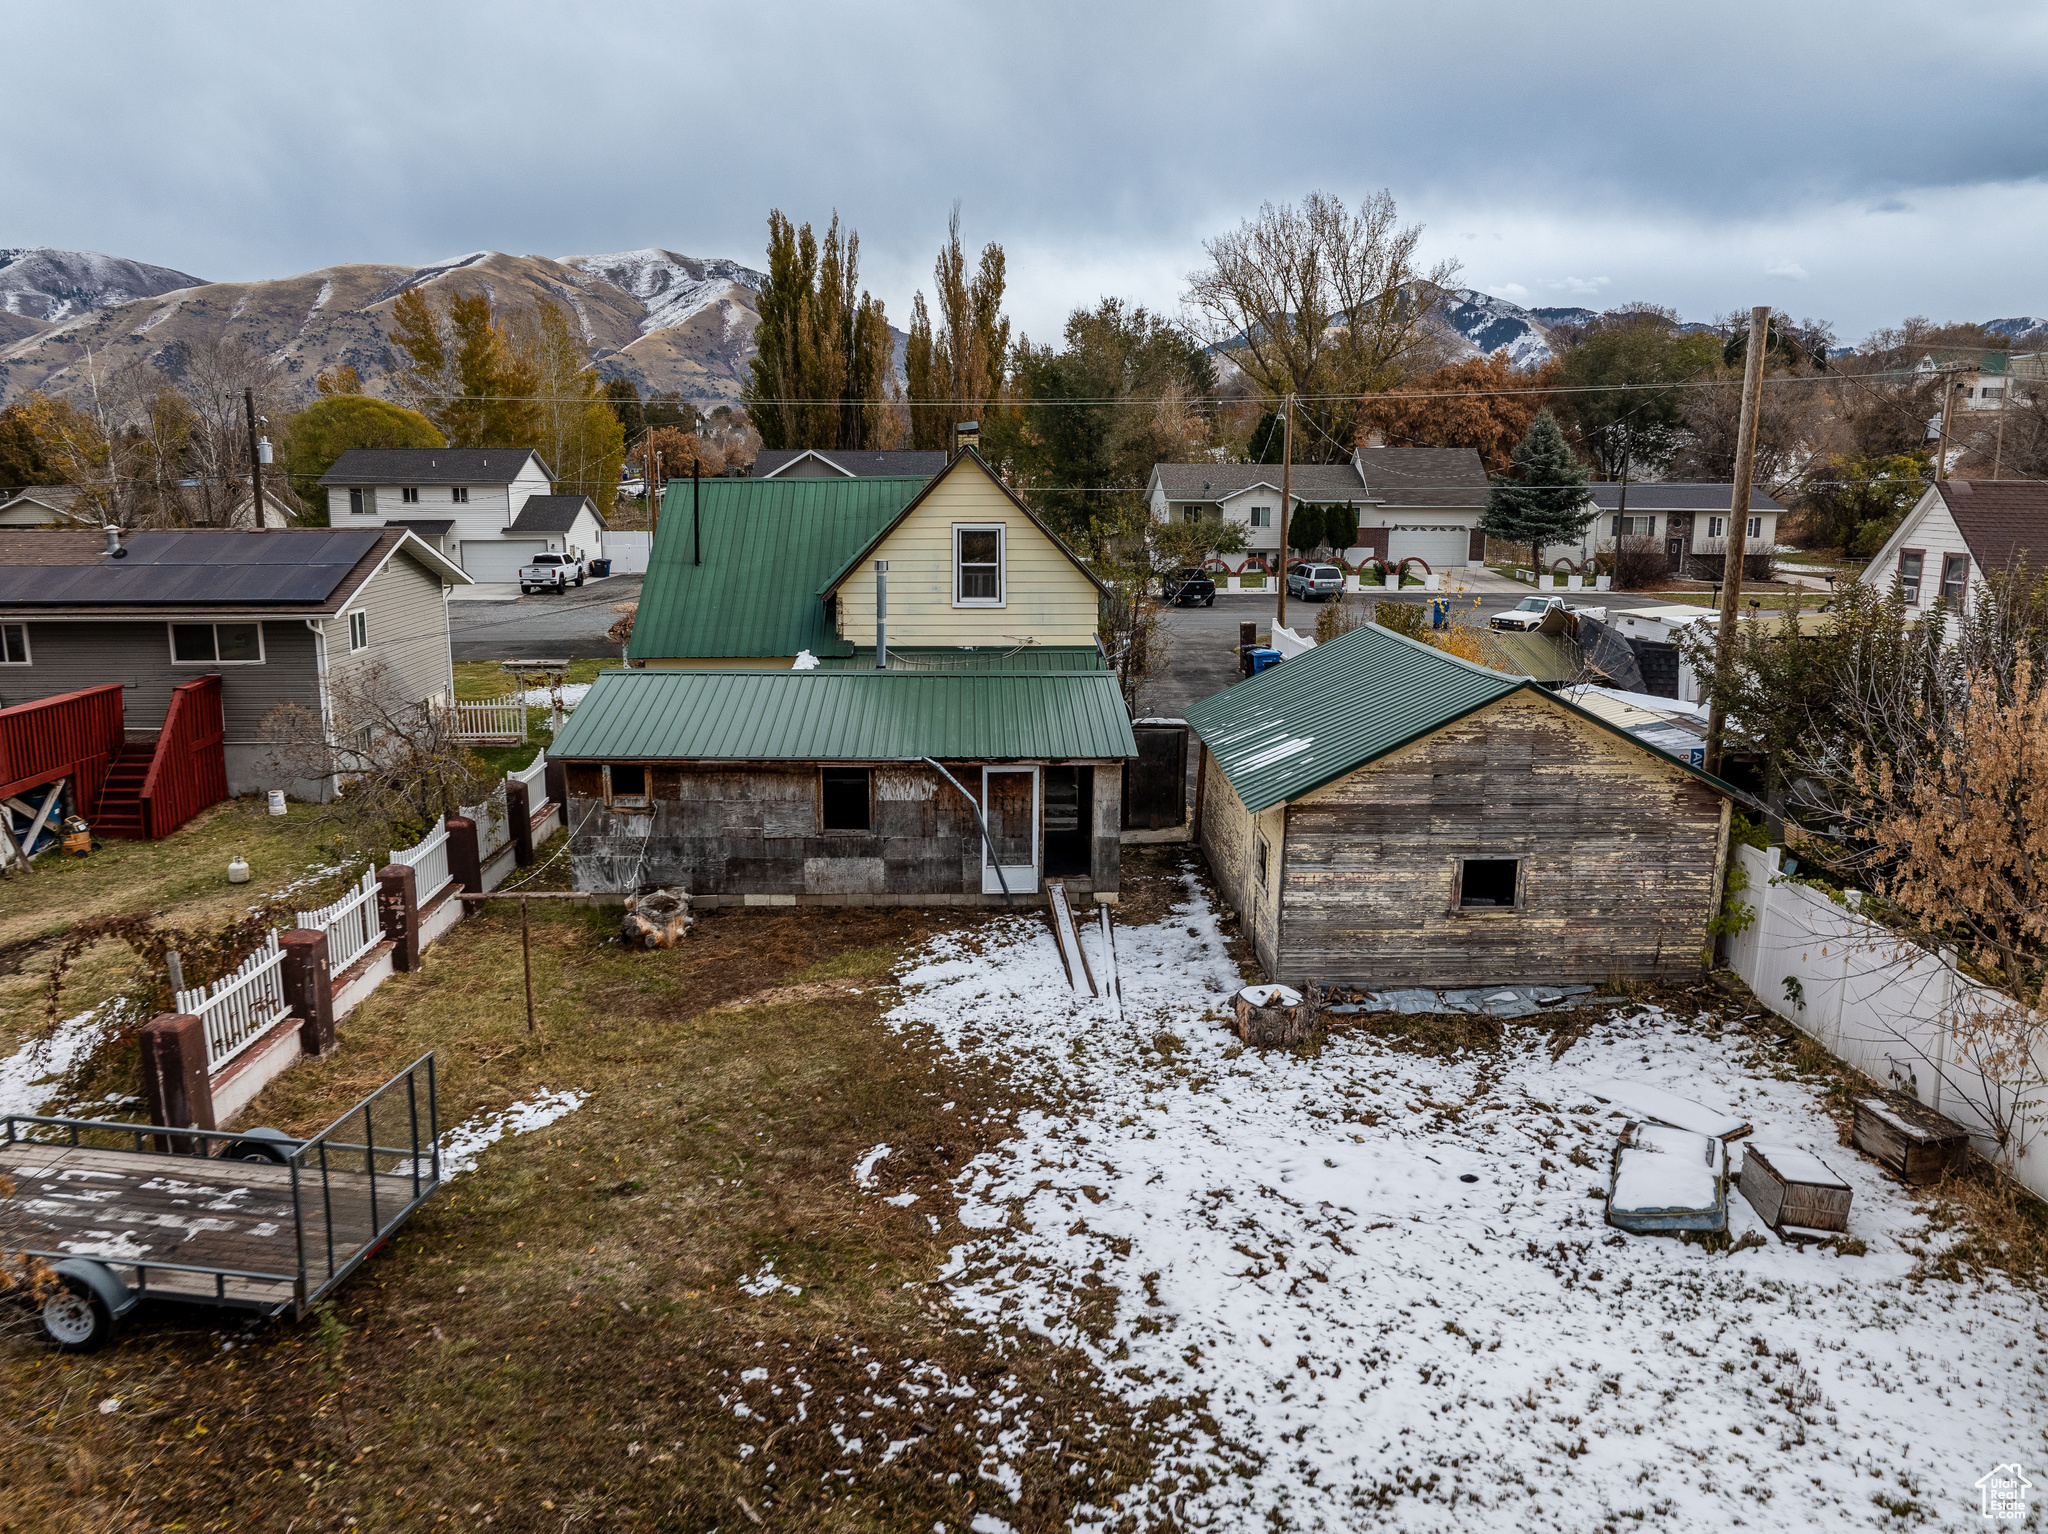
{"type": "Point", "coordinates": [192, 569]}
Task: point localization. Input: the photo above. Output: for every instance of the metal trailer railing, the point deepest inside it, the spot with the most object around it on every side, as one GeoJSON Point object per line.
{"type": "Point", "coordinates": [428, 860]}
{"type": "Point", "coordinates": [287, 1220]}
{"type": "Point", "coordinates": [350, 923]}
{"type": "Point", "coordinates": [239, 1008]}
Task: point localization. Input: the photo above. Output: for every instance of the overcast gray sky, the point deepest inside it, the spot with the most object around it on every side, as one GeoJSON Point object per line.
{"type": "Point", "coordinates": [1854, 161]}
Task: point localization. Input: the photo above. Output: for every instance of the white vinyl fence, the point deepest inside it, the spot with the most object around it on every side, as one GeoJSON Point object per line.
{"type": "Point", "coordinates": [535, 779]}
{"type": "Point", "coordinates": [493, 823]}
{"type": "Point", "coordinates": [351, 923]}
{"type": "Point", "coordinates": [428, 861]}
{"type": "Point", "coordinates": [500, 720]}
{"type": "Point", "coordinates": [238, 1009]}
{"type": "Point", "coordinates": [1884, 1006]}
{"type": "Point", "coordinates": [627, 552]}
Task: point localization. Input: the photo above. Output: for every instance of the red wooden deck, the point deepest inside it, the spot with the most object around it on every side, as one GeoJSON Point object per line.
{"type": "Point", "coordinates": [79, 735]}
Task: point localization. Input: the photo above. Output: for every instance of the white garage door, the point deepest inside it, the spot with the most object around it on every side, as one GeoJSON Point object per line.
{"type": "Point", "coordinates": [1444, 546]}
{"type": "Point", "coordinates": [500, 558]}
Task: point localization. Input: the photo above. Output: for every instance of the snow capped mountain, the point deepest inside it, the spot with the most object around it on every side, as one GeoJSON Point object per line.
{"type": "Point", "coordinates": [1486, 324]}
{"type": "Point", "coordinates": [2027, 327]}
{"type": "Point", "coordinates": [674, 288]}
{"type": "Point", "coordinates": [1565, 316]}
{"type": "Point", "coordinates": [44, 284]}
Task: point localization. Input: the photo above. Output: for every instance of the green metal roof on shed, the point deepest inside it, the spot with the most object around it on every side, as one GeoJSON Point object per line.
{"type": "Point", "coordinates": [1030, 657]}
{"type": "Point", "coordinates": [767, 545]}
{"type": "Point", "coordinates": [663, 714]}
{"type": "Point", "coordinates": [1310, 720]}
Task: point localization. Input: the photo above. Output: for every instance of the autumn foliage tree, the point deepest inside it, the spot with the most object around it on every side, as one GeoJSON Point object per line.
{"type": "Point", "coordinates": [459, 369]}
{"type": "Point", "coordinates": [1481, 403]}
{"type": "Point", "coordinates": [955, 367]}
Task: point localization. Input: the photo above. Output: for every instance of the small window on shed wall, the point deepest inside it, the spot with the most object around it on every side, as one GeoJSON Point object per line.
{"type": "Point", "coordinates": [845, 795]}
{"type": "Point", "coordinates": [625, 784]}
{"type": "Point", "coordinates": [1265, 854]}
{"type": "Point", "coordinates": [1486, 882]}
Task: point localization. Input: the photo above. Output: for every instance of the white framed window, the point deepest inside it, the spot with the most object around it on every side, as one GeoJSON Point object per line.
{"type": "Point", "coordinates": [359, 501]}
{"type": "Point", "coordinates": [216, 644]}
{"type": "Point", "coordinates": [1264, 853]}
{"type": "Point", "coordinates": [1191, 513]}
{"type": "Point", "coordinates": [358, 630]}
{"type": "Point", "coordinates": [1756, 527]}
{"type": "Point", "coordinates": [1262, 516]}
{"type": "Point", "coordinates": [459, 494]}
{"type": "Point", "coordinates": [978, 564]}
{"type": "Point", "coordinates": [14, 644]}
{"type": "Point", "coordinates": [1635, 527]}
{"type": "Point", "coordinates": [410, 494]}
{"type": "Point", "coordinates": [1716, 526]}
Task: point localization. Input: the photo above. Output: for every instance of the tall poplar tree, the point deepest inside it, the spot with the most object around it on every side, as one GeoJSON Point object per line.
{"type": "Point", "coordinates": [822, 349]}
{"type": "Point", "coordinates": [953, 372]}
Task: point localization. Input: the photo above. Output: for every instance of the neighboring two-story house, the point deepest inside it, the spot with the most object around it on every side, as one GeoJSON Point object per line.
{"type": "Point", "coordinates": [1689, 519]}
{"type": "Point", "coordinates": [1420, 503]}
{"type": "Point", "coordinates": [280, 617]}
{"type": "Point", "coordinates": [1959, 532]}
{"type": "Point", "coordinates": [469, 504]}
{"type": "Point", "coordinates": [853, 691]}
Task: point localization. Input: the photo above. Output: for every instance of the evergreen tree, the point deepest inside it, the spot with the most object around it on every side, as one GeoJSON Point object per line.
{"type": "Point", "coordinates": [1306, 526]}
{"type": "Point", "coordinates": [1543, 499]}
{"type": "Point", "coordinates": [623, 395]}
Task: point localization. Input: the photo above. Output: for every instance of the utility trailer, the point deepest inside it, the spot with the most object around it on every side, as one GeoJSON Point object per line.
{"type": "Point", "coordinates": [251, 1220]}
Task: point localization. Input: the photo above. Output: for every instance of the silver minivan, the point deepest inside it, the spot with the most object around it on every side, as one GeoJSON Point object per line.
{"type": "Point", "coordinates": [1315, 583]}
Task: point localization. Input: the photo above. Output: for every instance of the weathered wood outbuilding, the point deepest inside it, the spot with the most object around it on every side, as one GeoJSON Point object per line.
{"type": "Point", "coordinates": [1381, 813]}
{"type": "Point", "coordinates": [844, 787]}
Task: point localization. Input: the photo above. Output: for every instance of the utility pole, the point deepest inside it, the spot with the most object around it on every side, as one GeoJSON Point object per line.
{"type": "Point", "coordinates": [1948, 402]}
{"type": "Point", "coordinates": [255, 462]}
{"type": "Point", "coordinates": [1286, 490]}
{"type": "Point", "coordinates": [1998, 449]}
{"type": "Point", "coordinates": [1738, 530]}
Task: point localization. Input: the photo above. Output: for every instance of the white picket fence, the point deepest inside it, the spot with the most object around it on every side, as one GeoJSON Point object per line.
{"type": "Point", "coordinates": [1887, 1008]}
{"type": "Point", "coordinates": [238, 1009]}
{"type": "Point", "coordinates": [500, 720]}
{"type": "Point", "coordinates": [493, 824]}
{"type": "Point", "coordinates": [428, 860]}
{"type": "Point", "coordinates": [351, 924]}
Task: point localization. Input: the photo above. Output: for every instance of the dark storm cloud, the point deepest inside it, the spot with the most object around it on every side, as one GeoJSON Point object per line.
{"type": "Point", "coordinates": [1102, 142]}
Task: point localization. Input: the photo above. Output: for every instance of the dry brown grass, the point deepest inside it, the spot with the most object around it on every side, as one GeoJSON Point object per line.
{"type": "Point", "coordinates": [556, 1341]}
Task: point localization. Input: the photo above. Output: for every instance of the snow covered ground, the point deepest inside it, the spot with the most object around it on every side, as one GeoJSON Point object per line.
{"type": "Point", "coordinates": [1378, 1281]}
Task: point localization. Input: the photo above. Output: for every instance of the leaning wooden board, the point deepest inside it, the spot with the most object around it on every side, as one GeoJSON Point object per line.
{"type": "Point", "coordinates": [1913, 1140]}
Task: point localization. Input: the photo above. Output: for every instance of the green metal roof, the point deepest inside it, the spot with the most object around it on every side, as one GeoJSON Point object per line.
{"type": "Point", "coordinates": [663, 714]}
{"type": "Point", "coordinates": [1030, 657]}
{"type": "Point", "coordinates": [767, 547]}
{"type": "Point", "coordinates": [1331, 710]}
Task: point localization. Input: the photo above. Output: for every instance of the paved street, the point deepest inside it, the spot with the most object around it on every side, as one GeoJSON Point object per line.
{"type": "Point", "coordinates": [571, 625]}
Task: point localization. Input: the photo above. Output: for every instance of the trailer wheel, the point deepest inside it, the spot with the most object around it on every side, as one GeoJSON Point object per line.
{"type": "Point", "coordinates": [77, 1319]}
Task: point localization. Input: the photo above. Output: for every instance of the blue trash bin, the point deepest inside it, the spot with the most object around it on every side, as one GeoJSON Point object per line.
{"type": "Point", "coordinates": [1262, 658]}
{"type": "Point", "coordinates": [1439, 612]}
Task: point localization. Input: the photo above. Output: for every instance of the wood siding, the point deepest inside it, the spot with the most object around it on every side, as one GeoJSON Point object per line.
{"type": "Point", "coordinates": [1621, 856]}
{"type": "Point", "coordinates": [1045, 597]}
{"type": "Point", "coordinates": [731, 834]}
{"type": "Point", "coordinates": [408, 623]}
{"type": "Point", "coordinates": [1230, 840]}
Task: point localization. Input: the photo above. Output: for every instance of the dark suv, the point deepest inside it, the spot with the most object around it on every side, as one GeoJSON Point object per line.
{"type": "Point", "coordinates": [1190, 588]}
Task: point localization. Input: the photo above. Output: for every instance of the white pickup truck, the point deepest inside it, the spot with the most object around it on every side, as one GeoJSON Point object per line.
{"type": "Point", "coordinates": [550, 572]}
{"type": "Point", "coordinates": [1534, 612]}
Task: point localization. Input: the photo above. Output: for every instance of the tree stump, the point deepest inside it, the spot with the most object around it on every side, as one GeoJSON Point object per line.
{"type": "Point", "coordinates": [1276, 1016]}
{"type": "Point", "coordinates": [657, 920]}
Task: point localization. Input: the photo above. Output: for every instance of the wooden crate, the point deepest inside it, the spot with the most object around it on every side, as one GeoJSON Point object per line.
{"type": "Point", "coordinates": [1789, 1186]}
{"type": "Point", "coordinates": [1913, 1140]}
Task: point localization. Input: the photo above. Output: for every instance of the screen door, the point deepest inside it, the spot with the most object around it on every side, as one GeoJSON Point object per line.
{"type": "Point", "coordinates": [1010, 799]}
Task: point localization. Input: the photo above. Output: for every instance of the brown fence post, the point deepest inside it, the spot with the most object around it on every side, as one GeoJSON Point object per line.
{"type": "Point", "coordinates": [556, 778]}
{"type": "Point", "coordinates": [398, 908]}
{"type": "Point", "coordinates": [175, 1082]}
{"type": "Point", "coordinates": [309, 987]}
{"type": "Point", "coordinates": [519, 810]}
{"type": "Point", "coordinates": [465, 857]}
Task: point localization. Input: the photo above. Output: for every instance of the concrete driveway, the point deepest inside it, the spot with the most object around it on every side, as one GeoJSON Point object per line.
{"type": "Point", "coordinates": [504, 625]}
